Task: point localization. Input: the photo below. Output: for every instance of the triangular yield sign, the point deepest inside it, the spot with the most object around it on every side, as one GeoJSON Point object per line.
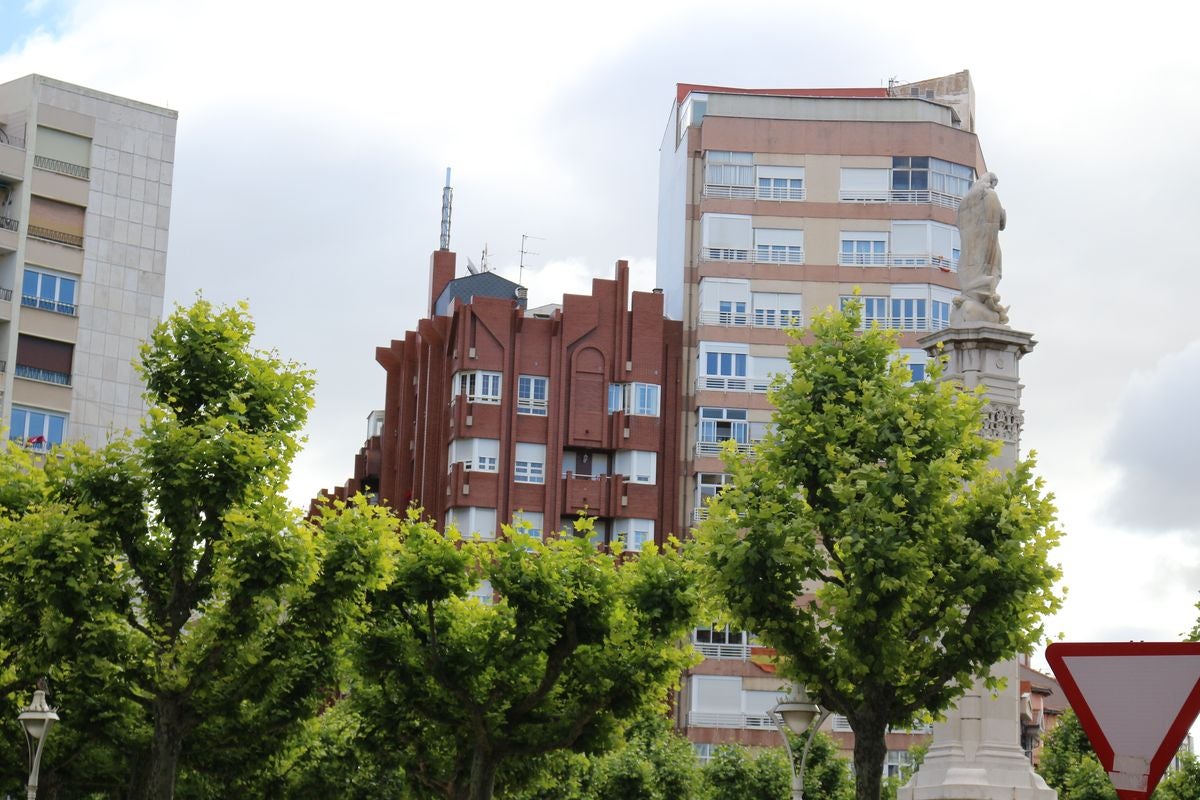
{"type": "Point", "coordinates": [1134, 700]}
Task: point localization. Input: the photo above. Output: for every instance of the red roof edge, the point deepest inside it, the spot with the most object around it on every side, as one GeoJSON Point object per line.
{"type": "Point", "coordinates": [682, 90]}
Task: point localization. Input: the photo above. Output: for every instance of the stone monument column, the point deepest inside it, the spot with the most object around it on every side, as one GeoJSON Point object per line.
{"type": "Point", "coordinates": [976, 752]}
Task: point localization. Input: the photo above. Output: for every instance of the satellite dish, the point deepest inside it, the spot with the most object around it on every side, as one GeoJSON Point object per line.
{"type": "Point", "coordinates": [471, 268]}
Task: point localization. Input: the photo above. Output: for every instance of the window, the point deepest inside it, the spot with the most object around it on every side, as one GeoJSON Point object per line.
{"type": "Point", "coordinates": [916, 360]}
{"type": "Point", "coordinates": [534, 519]}
{"type": "Point", "coordinates": [531, 395]}
{"type": "Point", "coordinates": [483, 593]}
{"type": "Point", "coordinates": [724, 424]}
{"type": "Point", "coordinates": [780, 183]}
{"type": "Point", "coordinates": [478, 455]}
{"type": "Point", "coordinates": [777, 310]}
{"type": "Point", "coordinates": [941, 315]}
{"type": "Point", "coordinates": [469, 520]}
{"type": "Point", "coordinates": [778, 246]}
{"type": "Point", "coordinates": [46, 360]}
{"type": "Point", "coordinates": [477, 386]}
{"type": "Point", "coordinates": [635, 399]}
{"type": "Point", "coordinates": [38, 429]}
{"type": "Point", "coordinates": [860, 248]}
{"type": "Point", "coordinates": [726, 237]}
{"type": "Point", "coordinates": [728, 174]}
{"type": "Point", "coordinates": [634, 533]}
{"type": "Point", "coordinates": [710, 484]}
{"type": "Point", "coordinates": [860, 185]}
{"type": "Point", "coordinates": [925, 244]}
{"type": "Point", "coordinates": [530, 464]}
{"type": "Point", "coordinates": [908, 314]}
{"type": "Point", "coordinates": [48, 291]}
{"type": "Point", "coordinates": [724, 301]}
{"type": "Point", "coordinates": [921, 179]}
{"type": "Point", "coordinates": [725, 364]}
{"type": "Point", "coordinates": [638, 466]}
{"type": "Point", "coordinates": [874, 310]}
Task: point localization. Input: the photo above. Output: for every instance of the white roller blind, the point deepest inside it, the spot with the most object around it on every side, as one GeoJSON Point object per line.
{"type": "Point", "coordinates": [531, 452]}
{"type": "Point", "coordinates": [910, 291]}
{"type": "Point", "coordinates": [945, 240]}
{"type": "Point", "coordinates": [766, 171]}
{"type": "Point", "coordinates": [766, 366]}
{"type": "Point", "coordinates": [778, 236]}
{"type": "Point", "coordinates": [727, 232]}
{"type": "Point", "coordinates": [760, 702]}
{"type": "Point", "coordinates": [716, 694]}
{"type": "Point", "coordinates": [857, 178]}
{"type": "Point", "coordinates": [714, 290]}
{"type": "Point", "coordinates": [62, 146]}
{"type": "Point", "coordinates": [910, 237]}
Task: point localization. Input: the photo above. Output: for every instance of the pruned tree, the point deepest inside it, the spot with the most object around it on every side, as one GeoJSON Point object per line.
{"type": "Point", "coordinates": [870, 545]}
{"type": "Point", "coordinates": [571, 647]}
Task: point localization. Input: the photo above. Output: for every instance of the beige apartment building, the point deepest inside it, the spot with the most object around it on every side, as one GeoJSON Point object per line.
{"type": "Point", "coordinates": [85, 198]}
{"type": "Point", "coordinates": [773, 205]}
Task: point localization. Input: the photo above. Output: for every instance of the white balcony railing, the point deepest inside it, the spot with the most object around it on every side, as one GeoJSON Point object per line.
{"type": "Point", "coordinates": [754, 722]}
{"type": "Point", "coordinates": [779, 255]}
{"type": "Point", "coordinates": [904, 323]}
{"type": "Point", "coordinates": [723, 652]}
{"type": "Point", "coordinates": [722, 383]}
{"type": "Point", "coordinates": [722, 191]}
{"type": "Point", "coordinates": [898, 260]}
{"type": "Point", "coordinates": [761, 318]}
{"type": "Point", "coordinates": [699, 513]}
{"type": "Point", "coordinates": [724, 254]}
{"type": "Point", "coordinates": [902, 196]}
{"type": "Point", "coordinates": [716, 448]}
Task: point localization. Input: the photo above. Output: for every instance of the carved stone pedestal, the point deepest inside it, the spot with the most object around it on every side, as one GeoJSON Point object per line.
{"type": "Point", "coordinates": [976, 753]}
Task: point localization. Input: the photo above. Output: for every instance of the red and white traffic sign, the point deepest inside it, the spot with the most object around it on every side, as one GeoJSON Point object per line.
{"type": "Point", "coordinates": [1134, 700]}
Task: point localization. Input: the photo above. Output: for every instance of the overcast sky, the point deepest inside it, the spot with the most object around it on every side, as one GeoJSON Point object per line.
{"type": "Point", "coordinates": [313, 140]}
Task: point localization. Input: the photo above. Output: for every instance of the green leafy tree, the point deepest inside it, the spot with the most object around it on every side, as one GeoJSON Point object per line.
{"type": "Point", "coordinates": [868, 543]}
{"type": "Point", "coordinates": [172, 579]}
{"type": "Point", "coordinates": [1183, 783]}
{"type": "Point", "coordinates": [734, 773]}
{"type": "Point", "coordinates": [655, 763]}
{"type": "Point", "coordinates": [571, 648]}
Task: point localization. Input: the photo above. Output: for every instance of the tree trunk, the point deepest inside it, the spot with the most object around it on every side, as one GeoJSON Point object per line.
{"type": "Point", "coordinates": [870, 751]}
{"type": "Point", "coordinates": [157, 780]}
{"type": "Point", "coordinates": [483, 774]}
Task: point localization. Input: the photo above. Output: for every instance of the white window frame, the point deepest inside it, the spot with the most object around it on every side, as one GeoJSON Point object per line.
{"type": "Point", "coordinates": [729, 174]}
{"type": "Point", "coordinates": [778, 246]}
{"type": "Point", "coordinates": [635, 399]}
{"type": "Point", "coordinates": [529, 465]}
{"type": "Point", "coordinates": [528, 401]}
{"type": "Point", "coordinates": [865, 184]}
{"type": "Point", "coordinates": [41, 437]}
{"type": "Point", "coordinates": [536, 520]}
{"type": "Point", "coordinates": [638, 466]}
{"type": "Point", "coordinates": [778, 310]}
{"type": "Point", "coordinates": [52, 301]}
{"type": "Point", "coordinates": [634, 533]}
{"type": "Point", "coordinates": [726, 237]}
{"type": "Point", "coordinates": [478, 386]}
{"type": "Point", "coordinates": [473, 520]}
{"type": "Point", "coordinates": [724, 301]}
{"type": "Point", "coordinates": [779, 183]}
{"type": "Point", "coordinates": [476, 455]}
{"type": "Point", "coordinates": [863, 248]}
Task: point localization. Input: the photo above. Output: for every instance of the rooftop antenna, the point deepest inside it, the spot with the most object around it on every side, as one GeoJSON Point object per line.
{"type": "Point", "coordinates": [447, 196]}
{"type": "Point", "coordinates": [524, 238]}
{"type": "Point", "coordinates": [483, 259]}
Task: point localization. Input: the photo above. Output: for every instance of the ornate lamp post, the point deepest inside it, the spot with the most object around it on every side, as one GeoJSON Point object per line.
{"type": "Point", "coordinates": [798, 713]}
{"type": "Point", "coordinates": [37, 720]}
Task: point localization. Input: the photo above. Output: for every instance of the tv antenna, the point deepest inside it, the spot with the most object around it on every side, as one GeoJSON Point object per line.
{"type": "Point", "coordinates": [525, 237]}
{"type": "Point", "coordinates": [447, 196]}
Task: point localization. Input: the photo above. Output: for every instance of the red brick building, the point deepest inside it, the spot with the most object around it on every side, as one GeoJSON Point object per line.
{"type": "Point", "coordinates": [495, 412]}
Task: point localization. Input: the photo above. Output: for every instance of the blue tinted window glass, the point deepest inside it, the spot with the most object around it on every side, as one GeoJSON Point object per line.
{"type": "Point", "coordinates": [55, 433]}
{"type": "Point", "coordinates": [37, 424]}
{"type": "Point", "coordinates": [66, 291]}
{"type": "Point", "coordinates": [17, 431]}
{"type": "Point", "coordinates": [29, 284]}
{"type": "Point", "coordinates": [918, 372]}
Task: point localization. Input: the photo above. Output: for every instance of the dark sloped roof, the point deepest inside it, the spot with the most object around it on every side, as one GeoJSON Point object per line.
{"type": "Point", "coordinates": [483, 284]}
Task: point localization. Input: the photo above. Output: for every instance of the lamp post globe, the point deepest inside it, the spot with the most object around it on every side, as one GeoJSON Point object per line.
{"type": "Point", "coordinates": [798, 713]}
{"type": "Point", "coordinates": [37, 719]}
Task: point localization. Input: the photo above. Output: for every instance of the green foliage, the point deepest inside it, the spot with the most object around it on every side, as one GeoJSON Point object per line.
{"type": "Point", "coordinates": [1183, 783]}
{"type": "Point", "coordinates": [654, 763]}
{"type": "Point", "coordinates": [871, 502]}
{"type": "Point", "coordinates": [734, 773]}
{"type": "Point", "coordinates": [571, 648]}
{"type": "Point", "coordinates": [189, 622]}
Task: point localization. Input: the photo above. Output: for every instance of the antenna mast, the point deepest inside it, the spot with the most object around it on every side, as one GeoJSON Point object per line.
{"type": "Point", "coordinates": [447, 196]}
{"type": "Point", "coordinates": [524, 238]}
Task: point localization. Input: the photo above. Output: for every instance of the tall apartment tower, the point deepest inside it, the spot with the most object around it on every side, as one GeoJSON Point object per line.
{"type": "Point", "coordinates": [85, 198]}
{"type": "Point", "coordinates": [773, 205]}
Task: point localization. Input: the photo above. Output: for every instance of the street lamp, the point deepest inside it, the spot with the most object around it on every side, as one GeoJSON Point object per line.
{"type": "Point", "coordinates": [798, 713]}
{"type": "Point", "coordinates": [37, 720]}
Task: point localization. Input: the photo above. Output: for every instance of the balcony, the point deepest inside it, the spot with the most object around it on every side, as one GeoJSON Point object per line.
{"type": "Point", "coordinates": [723, 652]}
{"type": "Point", "coordinates": [9, 224]}
{"type": "Point", "coordinates": [61, 167]}
{"type": "Point", "coordinates": [900, 196]}
{"type": "Point", "coordinates": [58, 237]}
{"type": "Point", "coordinates": [42, 375]}
{"type": "Point", "coordinates": [904, 323]}
{"type": "Point", "coordinates": [753, 722]}
{"type": "Point", "coordinates": [593, 493]}
{"type": "Point", "coordinates": [760, 318]}
{"type": "Point", "coordinates": [723, 383]}
{"type": "Point", "coordinates": [717, 448]}
{"type": "Point", "coordinates": [729, 192]}
{"type": "Point", "coordinates": [898, 260]}
{"type": "Point", "coordinates": [29, 301]}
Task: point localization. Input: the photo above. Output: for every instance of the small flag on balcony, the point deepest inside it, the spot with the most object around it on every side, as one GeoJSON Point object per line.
{"type": "Point", "coordinates": [35, 440]}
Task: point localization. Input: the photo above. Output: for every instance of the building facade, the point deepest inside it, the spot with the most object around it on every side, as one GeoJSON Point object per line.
{"type": "Point", "coordinates": [774, 205]}
{"type": "Point", "coordinates": [495, 412]}
{"type": "Point", "coordinates": [85, 199]}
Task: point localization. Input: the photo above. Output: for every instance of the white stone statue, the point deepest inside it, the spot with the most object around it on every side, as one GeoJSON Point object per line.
{"type": "Point", "coordinates": [980, 220]}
